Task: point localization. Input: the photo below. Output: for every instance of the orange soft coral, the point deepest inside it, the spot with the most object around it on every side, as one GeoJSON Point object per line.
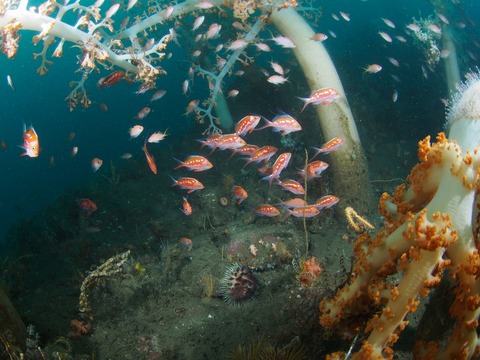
{"type": "Point", "coordinates": [430, 231]}
{"type": "Point", "coordinates": [309, 271]}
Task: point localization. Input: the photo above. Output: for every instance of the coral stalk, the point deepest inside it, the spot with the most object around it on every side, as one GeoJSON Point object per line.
{"type": "Point", "coordinates": [336, 120]}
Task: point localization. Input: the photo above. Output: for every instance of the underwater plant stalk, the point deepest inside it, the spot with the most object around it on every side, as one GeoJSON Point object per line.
{"type": "Point", "coordinates": [307, 244]}
{"type": "Point", "coordinates": [10, 321]}
{"type": "Point", "coordinates": [452, 71]}
{"type": "Point", "coordinates": [351, 181]}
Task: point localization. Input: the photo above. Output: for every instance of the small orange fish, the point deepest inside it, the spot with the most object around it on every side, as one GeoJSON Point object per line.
{"type": "Point", "coordinates": [192, 105]}
{"type": "Point", "coordinates": [372, 69]}
{"type": "Point", "coordinates": [150, 159]}
{"type": "Point", "coordinates": [31, 144]}
{"type": "Point", "coordinates": [319, 37]}
{"type": "Point", "coordinates": [307, 211]}
{"type": "Point", "coordinates": [186, 207]}
{"type": "Point", "coordinates": [142, 114]}
{"type": "Point", "coordinates": [211, 141]}
{"type": "Point", "coordinates": [314, 169]}
{"type": "Point", "coordinates": [286, 124]}
{"type": "Point", "coordinates": [280, 164]}
{"type": "Point", "coordinates": [96, 164]}
{"type": "Point", "coordinates": [187, 243]}
{"type": "Point", "coordinates": [294, 203]}
{"type": "Point", "coordinates": [246, 124]}
{"type": "Point", "coordinates": [293, 186]}
{"type": "Point", "coordinates": [239, 194]}
{"type": "Point", "coordinates": [245, 150]}
{"type": "Point", "coordinates": [322, 96]}
{"type": "Point", "coordinates": [230, 141]}
{"type": "Point", "coordinates": [86, 206]}
{"type": "Point", "coordinates": [3, 145]}
{"type": "Point", "coordinates": [262, 154]}
{"type": "Point", "coordinates": [112, 79]}
{"type": "Point", "coordinates": [267, 210]}
{"type": "Point", "coordinates": [326, 202]}
{"type": "Point", "coordinates": [187, 183]}
{"type": "Point", "coordinates": [329, 146]}
{"type": "Point", "coordinates": [196, 163]}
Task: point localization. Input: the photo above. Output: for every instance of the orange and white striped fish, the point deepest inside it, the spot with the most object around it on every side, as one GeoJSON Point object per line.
{"type": "Point", "coordinates": [291, 185]}
{"type": "Point", "coordinates": [294, 203]}
{"type": "Point", "coordinates": [196, 163]}
{"type": "Point", "coordinates": [331, 145]}
{"type": "Point", "coordinates": [246, 150]}
{"type": "Point", "coordinates": [280, 164]}
{"type": "Point", "coordinates": [229, 141]}
{"type": "Point", "coordinates": [262, 154]}
{"type": "Point", "coordinates": [314, 169]}
{"type": "Point", "coordinates": [247, 124]}
{"type": "Point", "coordinates": [211, 141]}
{"type": "Point", "coordinates": [285, 124]}
{"type": "Point", "coordinates": [326, 202]}
{"type": "Point", "coordinates": [307, 212]}
{"type": "Point", "coordinates": [322, 96]}
{"type": "Point", "coordinates": [239, 194]}
{"type": "Point", "coordinates": [187, 183]}
{"type": "Point", "coordinates": [31, 145]}
{"type": "Point", "coordinates": [186, 207]}
{"type": "Point", "coordinates": [267, 210]}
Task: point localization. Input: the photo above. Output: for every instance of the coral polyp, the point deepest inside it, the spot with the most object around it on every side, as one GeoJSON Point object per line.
{"type": "Point", "coordinates": [238, 284]}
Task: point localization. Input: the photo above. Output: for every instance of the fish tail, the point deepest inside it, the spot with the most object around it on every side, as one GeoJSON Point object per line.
{"type": "Point", "coordinates": [269, 124]}
{"type": "Point", "coordinates": [179, 162]}
{"type": "Point", "coordinates": [173, 179]}
{"type": "Point", "coordinates": [317, 151]}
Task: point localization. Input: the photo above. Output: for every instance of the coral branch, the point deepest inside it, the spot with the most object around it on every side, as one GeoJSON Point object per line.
{"type": "Point", "coordinates": [429, 231]}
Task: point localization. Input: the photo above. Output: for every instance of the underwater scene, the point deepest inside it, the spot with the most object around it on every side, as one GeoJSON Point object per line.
{"type": "Point", "coordinates": [239, 179]}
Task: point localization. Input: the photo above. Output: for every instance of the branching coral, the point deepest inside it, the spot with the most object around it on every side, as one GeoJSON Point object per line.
{"type": "Point", "coordinates": [429, 232]}
{"type": "Point", "coordinates": [89, 33]}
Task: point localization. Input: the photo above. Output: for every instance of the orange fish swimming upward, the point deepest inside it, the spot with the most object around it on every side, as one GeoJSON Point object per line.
{"type": "Point", "coordinates": [31, 144]}
{"type": "Point", "coordinates": [280, 164]}
{"type": "Point", "coordinates": [150, 159]}
{"type": "Point", "coordinates": [186, 207]}
{"type": "Point", "coordinates": [328, 147]}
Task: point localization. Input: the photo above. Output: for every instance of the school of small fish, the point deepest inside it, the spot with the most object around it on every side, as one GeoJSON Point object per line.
{"type": "Point", "coordinates": [277, 163]}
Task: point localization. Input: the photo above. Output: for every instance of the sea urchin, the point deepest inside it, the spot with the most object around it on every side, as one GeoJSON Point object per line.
{"type": "Point", "coordinates": [238, 284]}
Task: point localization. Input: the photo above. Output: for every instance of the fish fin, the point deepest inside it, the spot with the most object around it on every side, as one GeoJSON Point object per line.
{"type": "Point", "coordinates": [318, 151]}
{"type": "Point", "coordinates": [269, 124]}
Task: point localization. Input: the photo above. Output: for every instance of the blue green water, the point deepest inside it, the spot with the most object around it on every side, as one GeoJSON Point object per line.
{"type": "Point", "coordinates": [141, 213]}
{"type": "Point", "coordinates": [30, 184]}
